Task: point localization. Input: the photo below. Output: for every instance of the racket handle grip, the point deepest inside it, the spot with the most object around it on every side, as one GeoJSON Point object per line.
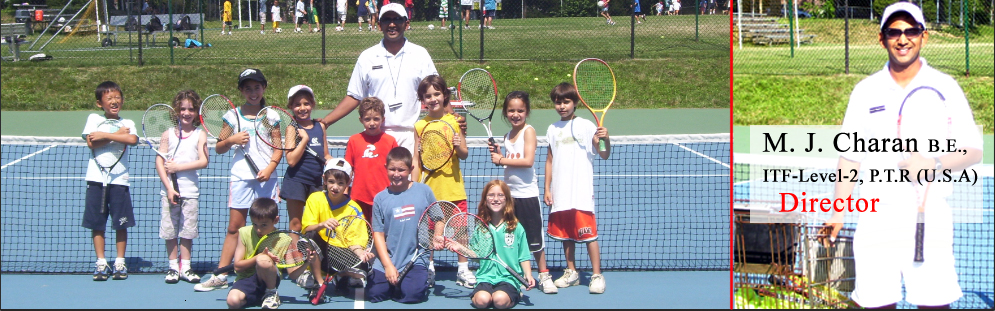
{"type": "Point", "coordinates": [252, 165]}
{"type": "Point", "coordinates": [224, 270]}
{"type": "Point", "coordinates": [920, 235]}
{"type": "Point", "coordinates": [491, 140]}
{"type": "Point", "coordinates": [601, 144]}
{"type": "Point", "coordinates": [176, 184]}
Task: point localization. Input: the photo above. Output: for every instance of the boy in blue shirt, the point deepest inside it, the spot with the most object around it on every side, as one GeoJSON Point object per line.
{"type": "Point", "coordinates": [395, 225]}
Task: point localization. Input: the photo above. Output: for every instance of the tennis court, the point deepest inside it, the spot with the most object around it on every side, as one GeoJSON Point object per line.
{"type": "Point", "coordinates": [663, 206]}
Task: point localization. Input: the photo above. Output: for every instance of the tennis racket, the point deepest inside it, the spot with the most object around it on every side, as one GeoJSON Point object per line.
{"type": "Point", "coordinates": [436, 148]}
{"type": "Point", "coordinates": [479, 94]}
{"type": "Point", "coordinates": [352, 235]}
{"type": "Point", "coordinates": [290, 247]}
{"type": "Point", "coordinates": [160, 124]}
{"type": "Point", "coordinates": [468, 235]}
{"type": "Point", "coordinates": [217, 113]}
{"type": "Point", "coordinates": [430, 226]}
{"type": "Point", "coordinates": [923, 117]}
{"type": "Point", "coordinates": [108, 156]}
{"type": "Point", "coordinates": [595, 83]}
{"type": "Point", "coordinates": [279, 129]}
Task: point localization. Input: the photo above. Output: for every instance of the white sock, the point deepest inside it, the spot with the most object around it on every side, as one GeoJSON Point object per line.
{"type": "Point", "coordinates": [463, 266]}
{"type": "Point", "coordinates": [101, 261]}
{"type": "Point", "coordinates": [184, 265]}
{"type": "Point", "coordinates": [119, 261]}
{"type": "Point", "coordinates": [431, 265]}
{"type": "Point", "coordinates": [173, 264]}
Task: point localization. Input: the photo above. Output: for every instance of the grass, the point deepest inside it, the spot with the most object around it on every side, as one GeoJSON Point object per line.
{"type": "Point", "coordinates": [671, 37]}
{"type": "Point", "coordinates": [945, 50]}
{"type": "Point", "coordinates": [689, 83]}
{"type": "Point", "coordinates": [822, 100]}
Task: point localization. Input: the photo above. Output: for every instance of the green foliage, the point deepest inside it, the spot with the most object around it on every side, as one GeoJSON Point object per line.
{"type": "Point", "coordinates": [826, 10]}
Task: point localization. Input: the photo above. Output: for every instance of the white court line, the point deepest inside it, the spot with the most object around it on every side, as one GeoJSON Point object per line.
{"type": "Point", "coordinates": [26, 157]}
{"type": "Point", "coordinates": [360, 295]}
{"type": "Point", "coordinates": [701, 154]}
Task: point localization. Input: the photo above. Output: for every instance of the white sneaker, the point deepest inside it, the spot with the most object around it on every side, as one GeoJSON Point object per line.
{"type": "Point", "coordinates": [597, 284]}
{"type": "Point", "coordinates": [546, 283]}
{"type": "Point", "coordinates": [229, 33]}
{"type": "Point", "coordinates": [305, 280]}
{"type": "Point", "coordinates": [212, 283]}
{"type": "Point", "coordinates": [262, 32]}
{"type": "Point", "coordinates": [189, 276]}
{"type": "Point", "coordinates": [172, 276]}
{"type": "Point", "coordinates": [431, 275]}
{"type": "Point", "coordinates": [466, 278]}
{"type": "Point", "coordinates": [222, 32]}
{"type": "Point", "coordinates": [271, 300]}
{"type": "Point", "coordinates": [569, 278]}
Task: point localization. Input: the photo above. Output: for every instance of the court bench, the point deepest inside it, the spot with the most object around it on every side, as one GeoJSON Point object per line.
{"type": "Point", "coordinates": [11, 35]}
{"type": "Point", "coordinates": [769, 40]}
{"type": "Point", "coordinates": [117, 25]}
{"type": "Point", "coordinates": [30, 17]}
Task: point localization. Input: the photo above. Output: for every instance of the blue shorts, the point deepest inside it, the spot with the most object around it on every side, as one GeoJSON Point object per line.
{"type": "Point", "coordinates": [490, 13]}
{"type": "Point", "coordinates": [412, 289]}
{"type": "Point", "coordinates": [118, 207]}
{"type": "Point", "coordinates": [296, 190]}
{"type": "Point", "coordinates": [254, 289]}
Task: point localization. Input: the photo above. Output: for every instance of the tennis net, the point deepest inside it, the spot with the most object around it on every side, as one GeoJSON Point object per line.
{"type": "Point", "coordinates": [662, 204]}
{"type": "Point", "coordinates": [973, 212]}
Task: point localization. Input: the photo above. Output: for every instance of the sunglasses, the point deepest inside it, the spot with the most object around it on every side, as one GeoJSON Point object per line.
{"type": "Point", "coordinates": [894, 33]}
{"type": "Point", "coordinates": [395, 20]}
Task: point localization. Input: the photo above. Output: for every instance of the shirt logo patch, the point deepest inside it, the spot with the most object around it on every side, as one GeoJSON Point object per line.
{"type": "Point", "coordinates": [509, 239]}
{"type": "Point", "coordinates": [370, 152]}
{"type": "Point", "coordinates": [377, 67]}
{"type": "Point", "coordinates": [406, 211]}
{"type": "Point", "coordinates": [877, 109]}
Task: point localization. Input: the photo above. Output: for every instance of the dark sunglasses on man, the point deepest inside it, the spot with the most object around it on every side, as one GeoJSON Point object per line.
{"type": "Point", "coordinates": [894, 33]}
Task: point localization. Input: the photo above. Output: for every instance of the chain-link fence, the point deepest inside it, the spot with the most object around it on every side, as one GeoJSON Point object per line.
{"type": "Point", "coordinates": [182, 32]}
{"type": "Point", "coordinates": [841, 36]}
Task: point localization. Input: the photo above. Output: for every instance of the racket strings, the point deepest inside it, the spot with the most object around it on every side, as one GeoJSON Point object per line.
{"type": "Point", "coordinates": [212, 112]}
{"type": "Point", "coordinates": [436, 149]}
{"type": "Point", "coordinates": [595, 83]}
{"type": "Point", "coordinates": [351, 232]}
{"type": "Point", "coordinates": [276, 123]}
{"type": "Point", "coordinates": [478, 93]}
{"type": "Point", "coordinates": [469, 236]}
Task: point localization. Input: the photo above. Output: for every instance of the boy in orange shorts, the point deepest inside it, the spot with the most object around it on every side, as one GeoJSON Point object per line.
{"type": "Point", "coordinates": [570, 184]}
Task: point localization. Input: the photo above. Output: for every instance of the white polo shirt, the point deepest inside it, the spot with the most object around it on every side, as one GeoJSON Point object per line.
{"type": "Point", "coordinates": [873, 113]}
{"type": "Point", "coordinates": [394, 80]}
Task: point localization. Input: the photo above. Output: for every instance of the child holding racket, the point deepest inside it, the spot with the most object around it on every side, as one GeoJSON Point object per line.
{"type": "Point", "coordinates": [570, 184]}
{"type": "Point", "coordinates": [884, 242]}
{"type": "Point", "coordinates": [519, 174]}
{"type": "Point", "coordinates": [495, 286]}
{"type": "Point", "coordinates": [116, 198]}
{"type": "Point", "coordinates": [367, 151]}
{"type": "Point", "coordinates": [257, 275]}
{"type": "Point", "coordinates": [303, 175]}
{"type": "Point", "coordinates": [446, 182]}
{"type": "Point", "coordinates": [323, 211]}
{"type": "Point", "coordinates": [180, 207]}
{"type": "Point", "coordinates": [395, 237]}
{"type": "Point", "coordinates": [244, 187]}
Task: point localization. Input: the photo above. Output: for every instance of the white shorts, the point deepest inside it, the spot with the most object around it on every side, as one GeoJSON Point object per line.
{"type": "Point", "coordinates": [405, 137]}
{"type": "Point", "coordinates": [242, 193]}
{"type": "Point", "coordinates": [178, 221]}
{"type": "Point", "coordinates": [883, 252]}
{"type": "Point", "coordinates": [262, 18]}
{"type": "Point", "coordinates": [342, 15]}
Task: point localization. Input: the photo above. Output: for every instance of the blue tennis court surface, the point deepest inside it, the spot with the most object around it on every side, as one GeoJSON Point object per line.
{"type": "Point", "coordinates": [633, 289]}
{"type": "Point", "coordinates": [662, 205]}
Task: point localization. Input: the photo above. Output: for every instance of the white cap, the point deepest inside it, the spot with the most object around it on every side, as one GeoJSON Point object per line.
{"type": "Point", "coordinates": [299, 88]}
{"type": "Point", "coordinates": [394, 7]}
{"type": "Point", "coordinates": [903, 6]}
{"type": "Point", "coordinates": [338, 164]}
